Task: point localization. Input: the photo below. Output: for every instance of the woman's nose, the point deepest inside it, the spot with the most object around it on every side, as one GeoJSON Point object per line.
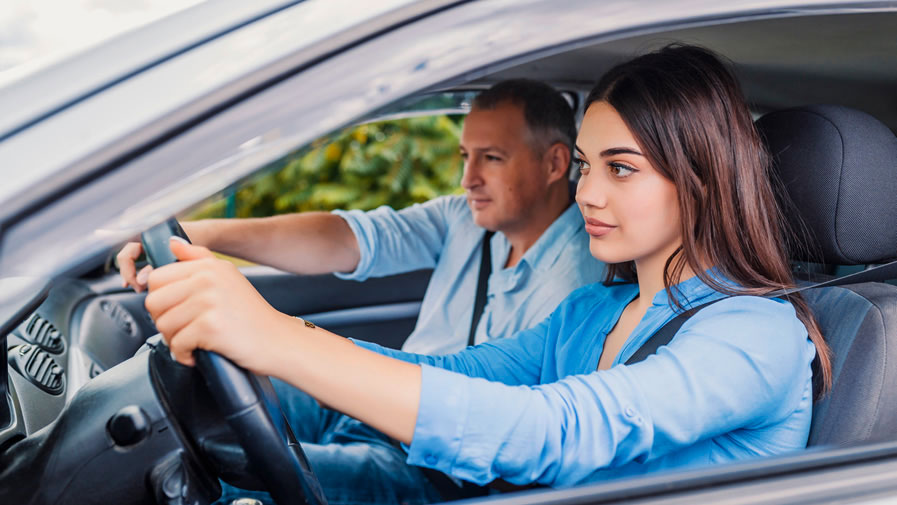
{"type": "Point", "coordinates": [590, 192]}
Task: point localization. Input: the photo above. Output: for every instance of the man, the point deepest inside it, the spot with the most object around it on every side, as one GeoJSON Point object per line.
{"type": "Point", "coordinates": [516, 144]}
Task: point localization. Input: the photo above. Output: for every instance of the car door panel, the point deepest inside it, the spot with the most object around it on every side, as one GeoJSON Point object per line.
{"type": "Point", "coordinates": [382, 310]}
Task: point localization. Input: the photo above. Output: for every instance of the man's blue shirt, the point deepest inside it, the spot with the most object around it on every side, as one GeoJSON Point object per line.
{"type": "Point", "coordinates": [735, 383]}
{"type": "Point", "coordinates": [441, 235]}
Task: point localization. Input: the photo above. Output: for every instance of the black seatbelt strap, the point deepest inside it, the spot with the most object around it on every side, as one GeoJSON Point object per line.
{"type": "Point", "coordinates": [665, 334]}
{"type": "Point", "coordinates": [479, 302]}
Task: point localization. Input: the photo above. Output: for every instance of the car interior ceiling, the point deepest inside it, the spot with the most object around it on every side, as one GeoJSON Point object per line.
{"type": "Point", "coordinates": [848, 60]}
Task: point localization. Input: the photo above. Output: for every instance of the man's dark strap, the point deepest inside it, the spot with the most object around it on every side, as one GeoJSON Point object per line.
{"type": "Point", "coordinates": [479, 302]}
{"type": "Point", "coordinates": [665, 334]}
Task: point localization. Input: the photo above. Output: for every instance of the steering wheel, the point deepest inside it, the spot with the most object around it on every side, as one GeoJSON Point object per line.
{"type": "Point", "coordinates": [249, 405]}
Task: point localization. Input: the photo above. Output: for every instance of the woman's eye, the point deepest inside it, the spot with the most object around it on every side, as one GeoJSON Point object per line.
{"type": "Point", "coordinates": [490, 157]}
{"type": "Point", "coordinates": [581, 165]}
{"type": "Point", "coordinates": [620, 170]}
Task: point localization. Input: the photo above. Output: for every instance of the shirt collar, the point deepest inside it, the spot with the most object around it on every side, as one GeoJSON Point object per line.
{"type": "Point", "coordinates": [692, 292]}
{"type": "Point", "coordinates": [546, 250]}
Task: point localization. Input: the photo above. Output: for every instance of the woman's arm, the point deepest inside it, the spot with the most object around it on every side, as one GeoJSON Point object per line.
{"type": "Point", "coordinates": [514, 361]}
{"type": "Point", "coordinates": [202, 302]}
{"type": "Point", "coordinates": [205, 303]}
{"type": "Point", "coordinates": [740, 364]}
{"type": "Point", "coordinates": [734, 373]}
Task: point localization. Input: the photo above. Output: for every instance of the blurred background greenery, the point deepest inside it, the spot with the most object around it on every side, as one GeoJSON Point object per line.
{"type": "Point", "coordinates": [396, 163]}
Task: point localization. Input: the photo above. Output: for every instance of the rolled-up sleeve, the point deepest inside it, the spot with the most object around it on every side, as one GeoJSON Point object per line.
{"type": "Point", "coordinates": [741, 363]}
{"type": "Point", "coordinates": [392, 242]}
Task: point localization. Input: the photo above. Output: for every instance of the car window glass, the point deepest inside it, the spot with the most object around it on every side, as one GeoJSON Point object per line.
{"type": "Point", "coordinates": [395, 162]}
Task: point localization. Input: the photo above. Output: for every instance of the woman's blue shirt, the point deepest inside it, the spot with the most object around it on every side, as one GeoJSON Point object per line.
{"type": "Point", "coordinates": [735, 383]}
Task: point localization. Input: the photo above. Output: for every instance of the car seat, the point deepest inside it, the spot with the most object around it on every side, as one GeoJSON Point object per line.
{"type": "Point", "coordinates": [837, 168]}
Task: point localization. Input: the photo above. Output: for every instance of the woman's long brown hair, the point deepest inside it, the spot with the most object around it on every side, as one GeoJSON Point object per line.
{"type": "Point", "coordinates": [687, 112]}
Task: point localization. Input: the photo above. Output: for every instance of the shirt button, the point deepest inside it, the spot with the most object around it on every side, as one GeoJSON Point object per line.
{"type": "Point", "coordinates": [629, 412]}
{"type": "Point", "coordinates": [430, 459]}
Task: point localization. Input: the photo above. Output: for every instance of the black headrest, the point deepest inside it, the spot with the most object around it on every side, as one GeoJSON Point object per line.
{"type": "Point", "coordinates": [839, 168]}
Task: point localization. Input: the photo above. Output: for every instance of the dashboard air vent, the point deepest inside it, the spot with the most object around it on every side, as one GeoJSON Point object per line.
{"type": "Point", "coordinates": [39, 331]}
{"type": "Point", "coordinates": [39, 367]}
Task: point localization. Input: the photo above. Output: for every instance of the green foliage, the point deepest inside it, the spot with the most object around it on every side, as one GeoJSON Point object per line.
{"type": "Point", "coordinates": [395, 163]}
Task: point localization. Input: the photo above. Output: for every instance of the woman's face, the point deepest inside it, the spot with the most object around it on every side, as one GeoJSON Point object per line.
{"type": "Point", "coordinates": [630, 209]}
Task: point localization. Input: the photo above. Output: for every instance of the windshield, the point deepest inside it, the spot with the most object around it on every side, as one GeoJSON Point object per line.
{"type": "Point", "coordinates": [38, 33]}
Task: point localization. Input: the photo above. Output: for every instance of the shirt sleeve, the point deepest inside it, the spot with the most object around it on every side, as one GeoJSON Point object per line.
{"type": "Point", "coordinates": [737, 364]}
{"type": "Point", "coordinates": [513, 361]}
{"type": "Point", "coordinates": [392, 242]}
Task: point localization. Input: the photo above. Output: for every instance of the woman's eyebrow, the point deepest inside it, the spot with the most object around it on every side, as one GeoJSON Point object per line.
{"type": "Point", "coordinates": [620, 150]}
{"type": "Point", "coordinates": [579, 151]}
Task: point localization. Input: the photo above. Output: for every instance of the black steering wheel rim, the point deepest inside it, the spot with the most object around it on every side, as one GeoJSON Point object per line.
{"type": "Point", "coordinates": [249, 406]}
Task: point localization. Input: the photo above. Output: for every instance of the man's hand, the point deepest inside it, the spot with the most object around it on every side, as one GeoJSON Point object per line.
{"type": "Point", "coordinates": [203, 302]}
{"type": "Point", "coordinates": [127, 258]}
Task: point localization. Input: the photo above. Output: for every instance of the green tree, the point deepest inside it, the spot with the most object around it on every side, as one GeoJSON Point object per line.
{"type": "Point", "coordinates": [395, 163]}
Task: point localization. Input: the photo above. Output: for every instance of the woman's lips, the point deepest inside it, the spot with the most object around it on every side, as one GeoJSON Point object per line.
{"type": "Point", "coordinates": [598, 228]}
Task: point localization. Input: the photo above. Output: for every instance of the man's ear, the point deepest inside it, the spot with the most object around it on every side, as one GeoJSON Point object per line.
{"type": "Point", "coordinates": [557, 161]}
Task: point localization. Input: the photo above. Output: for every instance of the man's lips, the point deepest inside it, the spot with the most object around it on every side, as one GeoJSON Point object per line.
{"type": "Point", "coordinates": [598, 228]}
{"type": "Point", "coordinates": [477, 203]}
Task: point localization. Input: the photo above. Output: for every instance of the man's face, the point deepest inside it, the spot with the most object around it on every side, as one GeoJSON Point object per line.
{"type": "Point", "coordinates": [503, 176]}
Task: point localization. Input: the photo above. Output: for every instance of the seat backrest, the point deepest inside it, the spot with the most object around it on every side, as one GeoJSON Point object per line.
{"type": "Point", "coordinates": [838, 169]}
{"type": "Point", "coordinates": [860, 324]}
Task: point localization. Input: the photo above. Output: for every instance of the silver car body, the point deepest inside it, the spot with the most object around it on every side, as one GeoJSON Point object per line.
{"type": "Point", "coordinates": [104, 145]}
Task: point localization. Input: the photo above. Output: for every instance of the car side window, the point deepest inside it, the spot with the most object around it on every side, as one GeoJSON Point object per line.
{"type": "Point", "coordinates": [395, 162]}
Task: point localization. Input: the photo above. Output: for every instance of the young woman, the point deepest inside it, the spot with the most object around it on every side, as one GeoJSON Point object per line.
{"type": "Point", "coordinates": [674, 195]}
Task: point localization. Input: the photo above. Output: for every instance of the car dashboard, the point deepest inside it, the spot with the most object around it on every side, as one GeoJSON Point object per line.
{"type": "Point", "coordinates": [79, 329]}
{"type": "Point", "coordinates": [83, 402]}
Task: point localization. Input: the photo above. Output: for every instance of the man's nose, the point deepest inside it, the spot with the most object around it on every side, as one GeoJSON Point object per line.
{"type": "Point", "coordinates": [471, 176]}
{"type": "Point", "coordinates": [591, 192]}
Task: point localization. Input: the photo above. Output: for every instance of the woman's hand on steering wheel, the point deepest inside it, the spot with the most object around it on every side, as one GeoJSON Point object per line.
{"type": "Point", "coordinates": [202, 302]}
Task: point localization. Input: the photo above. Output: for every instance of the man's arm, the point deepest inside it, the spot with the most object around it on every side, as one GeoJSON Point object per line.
{"type": "Point", "coordinates": [304, 243]}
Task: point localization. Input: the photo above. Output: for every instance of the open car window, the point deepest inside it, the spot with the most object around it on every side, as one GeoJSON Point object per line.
{"type": "Point", "coordinates": [395, 161]}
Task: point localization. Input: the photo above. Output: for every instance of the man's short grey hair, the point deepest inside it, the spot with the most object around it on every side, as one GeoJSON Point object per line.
{"type": "Point", "coordinates": [549, 118]}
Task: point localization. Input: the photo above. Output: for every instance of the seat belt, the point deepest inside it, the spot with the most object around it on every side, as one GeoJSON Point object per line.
{"type": "Point", "coordinates": [479, 302]}
{"type": "Point", "coordinates": [665, 334]}
{"type": "Point", "coordinates": [879, 273]}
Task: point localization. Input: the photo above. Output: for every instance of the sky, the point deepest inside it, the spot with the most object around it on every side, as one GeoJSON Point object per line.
{"type": "Point", "coordinates": [34, 33]}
